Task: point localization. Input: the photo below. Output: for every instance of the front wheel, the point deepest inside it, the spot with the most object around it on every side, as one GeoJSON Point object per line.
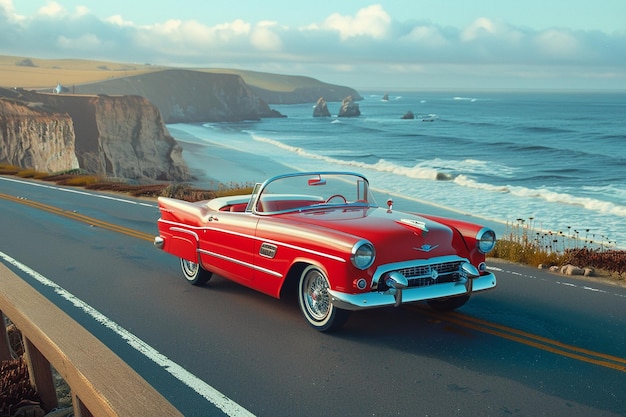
{"type": "Point", "coordinates": [316, 304]}
{"type": "Point", "coordinates": [448, 304]}
{"type": "Point", "coordinates": [194, 273]}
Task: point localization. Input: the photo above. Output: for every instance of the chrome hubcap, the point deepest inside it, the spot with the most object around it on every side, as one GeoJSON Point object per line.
{"type": "Point", "coordinates": [189, 268]}
{"type": "Point", "coordinates": [316, 296]}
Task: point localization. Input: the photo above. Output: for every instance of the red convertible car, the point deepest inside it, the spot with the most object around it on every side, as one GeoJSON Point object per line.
{"type": "Point", "coordinates": [323, 233]}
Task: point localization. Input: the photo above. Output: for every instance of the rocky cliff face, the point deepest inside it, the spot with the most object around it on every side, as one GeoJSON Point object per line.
{"type": "Point", "coordinates": [121, 137]}
{"type": "Point", "coordinates": [184, 96]}
{"type": "Point", "coordinates": [307, 94]}
{"type": "Point", "coordinates": [35, 138]}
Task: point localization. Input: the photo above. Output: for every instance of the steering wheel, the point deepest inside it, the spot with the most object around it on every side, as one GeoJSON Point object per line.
{"type": "Point", "coordinates": [336, 196]}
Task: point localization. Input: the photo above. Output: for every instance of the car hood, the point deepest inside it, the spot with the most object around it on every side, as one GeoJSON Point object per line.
{"type": "Point", "coordinates": [395, 235]}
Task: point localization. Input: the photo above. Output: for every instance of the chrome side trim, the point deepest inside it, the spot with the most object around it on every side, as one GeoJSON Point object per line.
{"type": "Point", "coordinates": [242, 263]}
{"type": "Point", "coordinates": [189, 232]}
{"type": "Point", "coordinates": [409, 295]}
{"type": "Point", "coordinates": [275, 242]}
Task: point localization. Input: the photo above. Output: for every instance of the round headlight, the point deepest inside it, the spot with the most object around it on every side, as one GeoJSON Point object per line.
{"type": "Point", "coordinates": [485, 240]}
{"type": "Point", "coordinates": [363, 254]}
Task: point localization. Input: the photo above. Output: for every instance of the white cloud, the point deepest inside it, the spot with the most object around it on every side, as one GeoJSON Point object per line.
{"type": "Point", "coordinates": [557, 43]}
{"type": "Point", "coordinates": [228, 31]}
{"type": "Point", "coordinates": [479, 28]}
{"type": "Point", "coordinates": [264, 38]}
{"type": "Point", "coordinates": [82, 11]}
{"type": "Point", "coordinates": [86, 42]}
{"type": "Point", "coordinates": [7, 9]}
{"type": "Point", "coordinates": [371, 21]}
{"type": "Point", "coordinates": [429, 36]}
{"type": "Point", "coordinates": [118, 20]}
{"type": "Point", "coordinates": [51, 9]}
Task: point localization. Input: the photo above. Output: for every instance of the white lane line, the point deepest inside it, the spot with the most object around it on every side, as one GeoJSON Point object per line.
{"type": "Point", "coordinates": [565, 284]}
{"type": "Point", "coordinates": [228, 406]}
{"type": "Point", "coordinates": [76, 191]}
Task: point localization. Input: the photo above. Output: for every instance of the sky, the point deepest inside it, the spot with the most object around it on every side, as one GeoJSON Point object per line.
{"type": "Point", "coordinates": [384, 45]}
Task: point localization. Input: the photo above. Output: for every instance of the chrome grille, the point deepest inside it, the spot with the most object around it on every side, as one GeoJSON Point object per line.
{"type": "Point", "coordinates": [426, 275]}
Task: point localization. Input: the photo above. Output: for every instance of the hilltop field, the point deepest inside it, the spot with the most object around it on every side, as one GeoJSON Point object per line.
{"type": "Point", "coordinates": [32, 73]}
{"type": "Point", "coordinates": [42, 74]}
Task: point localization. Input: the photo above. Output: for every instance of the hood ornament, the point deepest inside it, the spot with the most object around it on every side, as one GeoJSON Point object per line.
{"type": "Point", "coordinates": [416, 223]}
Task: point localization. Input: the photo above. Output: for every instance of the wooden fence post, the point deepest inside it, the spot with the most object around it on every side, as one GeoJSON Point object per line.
{"type": "Point", "coordinates": [5, 352]}
{"type": "Point", "coordinates": [40, 374]}
{"type": "Point", "coordinates": [79, 407]}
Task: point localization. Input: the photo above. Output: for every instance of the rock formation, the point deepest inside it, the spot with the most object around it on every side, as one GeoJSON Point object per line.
{"type": "Point", "coordinates": [408, 116]}
{"type": "Point", "coordinates": [321, 108]}
{"type": "Point", "coordinates": [121, 136]}
{"type": "Point", "coordinates": [35, 138]}
{"type": "Point", "coordinates": [349, 108]}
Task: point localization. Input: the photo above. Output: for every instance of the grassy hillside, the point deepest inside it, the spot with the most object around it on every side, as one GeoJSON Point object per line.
{"type": "Point", "coordinates": [268, 81]}
{"type": "Point", "coordinates": [34, 73]}
{"type": "Point", "coordinates": [46, 73]}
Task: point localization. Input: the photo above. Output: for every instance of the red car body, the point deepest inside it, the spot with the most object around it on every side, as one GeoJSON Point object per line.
{"type": "Point", "coordinates": [324, 232]}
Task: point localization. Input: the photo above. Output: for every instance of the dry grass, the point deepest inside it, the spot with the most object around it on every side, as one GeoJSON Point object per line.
{"type": "Point", "coordinates": [46, 73]}
{"type": "Point", "coordinates": [30, 173]}
{"type": "Point", "coordinates": [523, 244]}
{"type": "Point", "coordinates": [77, 178]}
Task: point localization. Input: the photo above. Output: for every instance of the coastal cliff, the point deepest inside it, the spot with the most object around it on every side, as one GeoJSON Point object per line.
{"type": "Point", "coordinates": [32, 137]}
{"type": "Point", "coordinates": [122, 137]}
{"type": "Point", "coordinates": [184, 96]}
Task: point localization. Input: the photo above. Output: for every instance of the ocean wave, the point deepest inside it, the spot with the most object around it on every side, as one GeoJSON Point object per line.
{"type": "Point", "coordinates": [415, 172]}
{"type": "Point", "coordinates": [591, 204]}
{"type": "Point", "coordinates": [436, 169]}
{"type": "Point", "coordinates": [543, 129]}
{"type": "Point", "coordinates": [465, 99]}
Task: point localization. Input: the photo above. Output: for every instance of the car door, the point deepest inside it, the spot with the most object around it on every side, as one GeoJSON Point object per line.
{"type": "Point", "coordinates": [227, 243]}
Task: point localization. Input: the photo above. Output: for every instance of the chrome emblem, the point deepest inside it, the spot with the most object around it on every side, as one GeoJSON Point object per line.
{"type": "Point", "coordinates": [267, 250]}
{"type": "Point", "coordinates": [426, 248]}
{"type": "Point", "coordinates": [434, 274]}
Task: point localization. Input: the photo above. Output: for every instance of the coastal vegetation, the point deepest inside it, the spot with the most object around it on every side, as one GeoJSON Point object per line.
{"type": "Point", "coordinates": [521, 243]}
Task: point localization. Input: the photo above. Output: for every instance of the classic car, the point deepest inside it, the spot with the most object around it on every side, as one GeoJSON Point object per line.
{"type": "Point", "coordinates": [324, 234]}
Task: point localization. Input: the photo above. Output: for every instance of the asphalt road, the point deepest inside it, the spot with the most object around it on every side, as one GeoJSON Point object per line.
{"type": "Point", "coordinates": [538, 345]}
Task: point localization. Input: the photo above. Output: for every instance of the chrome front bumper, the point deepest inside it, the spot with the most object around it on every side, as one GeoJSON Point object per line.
{"type": "Point", "coordinates": [388, 298]}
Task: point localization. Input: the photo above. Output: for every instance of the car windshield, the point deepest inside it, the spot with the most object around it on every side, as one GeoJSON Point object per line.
{"type": "Point", "coordinates": [301, 191]}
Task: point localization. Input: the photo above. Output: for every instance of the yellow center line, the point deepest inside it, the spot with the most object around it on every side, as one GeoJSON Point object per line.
{"type": "Point", "coordinates": [80, 217]}
{"type": "Point", "coordinates": [474, 323]}
{"type": "Point", "coordinates": [529, 339]}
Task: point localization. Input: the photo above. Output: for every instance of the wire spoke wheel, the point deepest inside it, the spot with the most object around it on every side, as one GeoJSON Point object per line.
{"type": "Point", "coordinates": [316, 303]}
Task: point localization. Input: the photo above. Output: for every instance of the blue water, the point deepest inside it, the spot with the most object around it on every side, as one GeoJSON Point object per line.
{"type": "Point", "coordinates": [557, 160]}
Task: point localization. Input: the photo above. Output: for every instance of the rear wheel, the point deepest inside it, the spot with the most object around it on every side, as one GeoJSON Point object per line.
{"type": "Point", "coordinates": [448, 304]}
{"type": "Point", "coordinates": [315, 301]}
{"type": "Point", "coordinates": [194, 273]}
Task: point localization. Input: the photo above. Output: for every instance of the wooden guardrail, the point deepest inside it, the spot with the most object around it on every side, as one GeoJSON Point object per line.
{"type": "Point", "coordinates": [101, 383]}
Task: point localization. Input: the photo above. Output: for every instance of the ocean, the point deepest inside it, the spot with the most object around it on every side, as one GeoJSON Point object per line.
{"type": "Point", "coordinates": [552, 162]}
